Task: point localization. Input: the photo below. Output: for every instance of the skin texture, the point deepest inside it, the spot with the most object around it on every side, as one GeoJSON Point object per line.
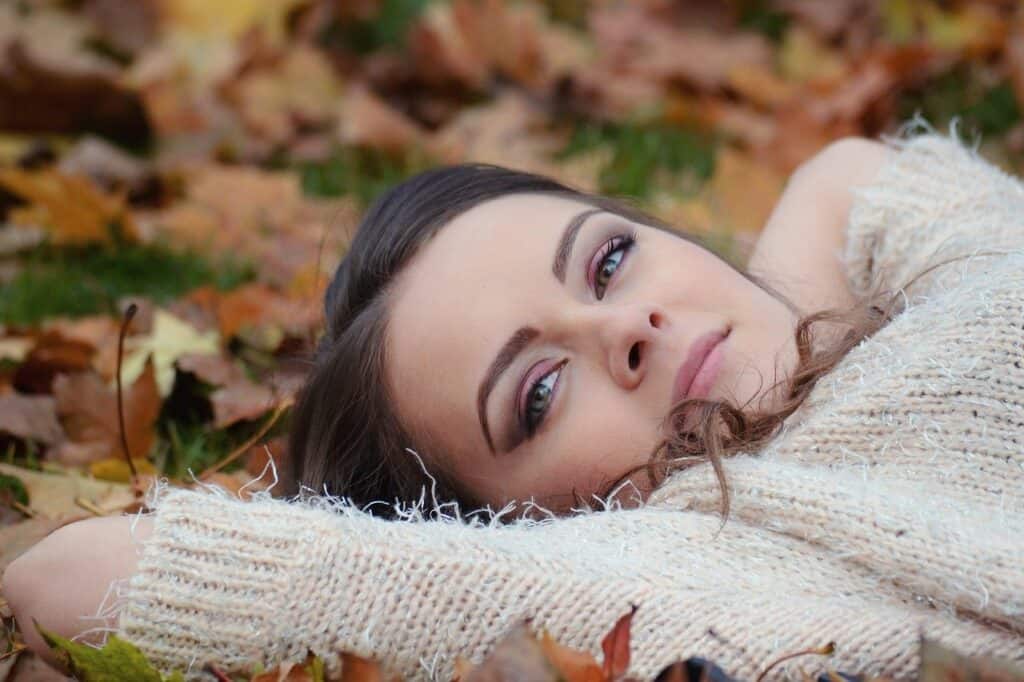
{"type": "Point", "coordinates": [605, 415]}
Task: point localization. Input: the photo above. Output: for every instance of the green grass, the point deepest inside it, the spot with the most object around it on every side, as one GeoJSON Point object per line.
{"type": "Point", "coordinates": [386, 29]}
{"type": "Point", "coordinates": [986, 109]}
{"type": "Point", "coordinates": [364, 173]}
{"type": "Point", "coordinates": [86, 280]}
{"type": "Point", "coordinates": [642, 153]}
{"type": "Point", "coordinates": [758, 16]}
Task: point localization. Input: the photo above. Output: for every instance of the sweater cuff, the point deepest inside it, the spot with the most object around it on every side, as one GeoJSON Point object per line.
{"type": "Point", "coordinates": [207, 583]}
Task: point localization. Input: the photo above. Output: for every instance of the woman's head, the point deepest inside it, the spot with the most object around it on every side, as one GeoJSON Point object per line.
{"type": "Point", "coordinates": [525, 341]}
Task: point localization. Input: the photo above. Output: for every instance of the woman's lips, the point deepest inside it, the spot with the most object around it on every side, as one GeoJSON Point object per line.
{"type": "Point", "coordinates": [698, 372]}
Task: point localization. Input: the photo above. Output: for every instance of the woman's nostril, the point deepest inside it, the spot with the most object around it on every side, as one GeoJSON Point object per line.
{"type": "Point", "coordinates": [634, 356]}
{"type": "Point", "coordinates": [655, 320]}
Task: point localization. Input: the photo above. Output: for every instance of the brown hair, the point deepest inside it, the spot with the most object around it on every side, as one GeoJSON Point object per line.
{"type": "Point", "coordinates": [346, 439]}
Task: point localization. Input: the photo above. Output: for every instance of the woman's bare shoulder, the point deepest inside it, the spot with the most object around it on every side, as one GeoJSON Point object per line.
{"type": "Point", "coordinates": [799, 250]}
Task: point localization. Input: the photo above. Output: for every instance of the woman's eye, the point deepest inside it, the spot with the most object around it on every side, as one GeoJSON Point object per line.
{"type": "Point", "coordinates": [539, 399]}
{"type": "Point", "coordinates": [608, 262]}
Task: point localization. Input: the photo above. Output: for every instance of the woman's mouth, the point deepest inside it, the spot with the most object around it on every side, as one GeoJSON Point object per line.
{"type": "Point", "coordinates": [699, 371]}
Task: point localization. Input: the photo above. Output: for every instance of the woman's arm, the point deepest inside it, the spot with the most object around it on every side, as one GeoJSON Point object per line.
{"type": "Point", "coordinates": [63, 580]}
{"type": "Point", "coordinates": [233, 583]}
{"type": "Point", "coordinates": [800, 248]}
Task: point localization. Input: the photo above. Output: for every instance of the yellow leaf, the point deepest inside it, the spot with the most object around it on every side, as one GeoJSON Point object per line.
{"type": "Point", "coordinates": [115, 469]}
{"type": "Point", "coordinates": [231, 18]}
{"type": "Point", "coordinates": [53, 494]}
{"type": "Point", "coordinates": [803, 57]}
{"type": "Point", "coordinates": [70, 207]}
{"type": "Point", "coordinates": [170, 339]}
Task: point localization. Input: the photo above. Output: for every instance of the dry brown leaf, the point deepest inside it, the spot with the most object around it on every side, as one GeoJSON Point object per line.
{"type": "Point", "coordinates": [367, 120]}
{"type": "Point", "coordinates": [827, 19]}
{"type": "Point", "coordinates": [299, 90]}
{"type": "Point", "coordinates": [88, 409]}
{"type": "Point", "coordinates": [216, 370]}
{"type": "Point", "coordinates": [615, 646]}
{"type": "Point", "coordinates": [30, 417]}
{"type": "Point", "coordinates": [240, 401]}
{"type": "Point", "coordinates": [1014, 47]}
{"type": "Point", "coordinates": [643, 45]}
{"type": "Point", "coordinates": [53, 495]}
{"type": "Point", "coordinates": [71, 208]}
{"type": "Point", "coordinates": [358, 669]}
{"type": "Point", "coordinates": [575, 666]}
{"type": "Point", "coordinates": [50, 84]}
{"type": "Point", "coordinates": [52, 354]}
{"type": "Point", "coordinates": [760, 85]}
{"type": "Point", "coordinates": [517, 656]}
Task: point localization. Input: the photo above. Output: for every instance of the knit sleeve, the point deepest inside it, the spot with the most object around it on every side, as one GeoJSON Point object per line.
{"type": "Point", "coordinates": [934, 200]}
{"type": "Point", "coordinates": [237, 583]}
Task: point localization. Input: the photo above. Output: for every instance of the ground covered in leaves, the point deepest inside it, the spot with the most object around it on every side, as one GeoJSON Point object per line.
{"type": "Point", "coordinates": [203, 164]}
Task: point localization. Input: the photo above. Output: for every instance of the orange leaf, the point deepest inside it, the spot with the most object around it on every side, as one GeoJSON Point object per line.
{"type": "Point", "coordinates": [71, 208]}
{"type": "Point", "coordinates": [88, 409]}
{"type": "Point", "coordinates": [615, 646]}
{"type": "Point", "coordinates": [358, 669]}
{"type": "Point", "coordinates": [575, 666]}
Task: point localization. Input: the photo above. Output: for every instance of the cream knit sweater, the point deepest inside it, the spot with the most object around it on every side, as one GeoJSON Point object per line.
{"type": "Point", "coordinates": [891, 506]}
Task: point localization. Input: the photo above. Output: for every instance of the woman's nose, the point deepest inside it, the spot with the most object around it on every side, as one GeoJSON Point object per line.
{"type": "Point", "coordinates": [628, 335]}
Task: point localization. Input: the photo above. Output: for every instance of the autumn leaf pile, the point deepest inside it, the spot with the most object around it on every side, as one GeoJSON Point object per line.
{"type": "Point", "coordinates": [204, 164]}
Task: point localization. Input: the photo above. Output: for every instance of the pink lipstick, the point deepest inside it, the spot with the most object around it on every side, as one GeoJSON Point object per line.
{"type": "Point", "coordinates": [700, 369]}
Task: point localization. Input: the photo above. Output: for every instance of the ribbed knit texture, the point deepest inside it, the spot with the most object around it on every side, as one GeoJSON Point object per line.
{"type": "Point", "coordinates": [890, 506]}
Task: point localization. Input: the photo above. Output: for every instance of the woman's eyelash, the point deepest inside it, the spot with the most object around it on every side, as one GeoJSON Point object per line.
{"type": "Point", "coordinates": [596, 269]}
{"type": "Point", "coordinates": [623, 243]}
{"type": "Point", "coordinates": [530, 425]}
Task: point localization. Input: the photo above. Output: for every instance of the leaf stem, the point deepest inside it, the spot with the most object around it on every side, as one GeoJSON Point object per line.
{"type": "Point", "coordinates": [129, 313]}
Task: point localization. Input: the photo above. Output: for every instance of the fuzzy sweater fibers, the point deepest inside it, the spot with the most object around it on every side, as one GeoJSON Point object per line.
{"type": "Point", "coordinates": [891, 506]}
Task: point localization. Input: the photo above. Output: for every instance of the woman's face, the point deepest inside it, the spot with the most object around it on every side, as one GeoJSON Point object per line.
{"type": "Point", "coordinates": [534, 348]}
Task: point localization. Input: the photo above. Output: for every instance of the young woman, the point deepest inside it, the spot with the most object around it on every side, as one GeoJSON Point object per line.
{"type": "Point", "coordinates": [495, 337]}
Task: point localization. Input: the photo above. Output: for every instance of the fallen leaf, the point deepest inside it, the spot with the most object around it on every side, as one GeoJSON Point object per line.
{"type": "Point", "coordinates": [367, 120]}
{"type": "Point", "coordinates": [104, 163]}
{"type": "Point", "coordinates": [516, 656]}
{"type": "Point", "coordinates": [32, 668]}
{"type": "Point", "coordinates": [52, 354]}
{"type": "Point", "coordinates": [230, 18]}
{"type": "Point", "coordinates": [18, 538]}
{"type": "Point", "coordinates": [30, 417]}
{"type": "Point", "coordinates": [118, 659]}
{"type": "Point", "coordinates": [116, 469]}
{"type": "Point", "coordinates": [240, 401]}
{"type": "Point", "coordinates": [15, 348]}
{"type": "Point", "coordinates": [170, 339]}
{"type": "Point", "coordinates": [644, 45]}
{"type": "Point", "coordinates": [88, 410]}
{"type": "Point", "coordinates": [50, 84]}
{"type": "Point", "coordinates": [53, 495]}
{"type": "Point", "coordinates": [71, 208]}
{"type": "Point", "coordinates": [298, 91]}
{"type": "Point", "coordinates": [615, 646]}
{"type": "Point", "coordinates": [216, 370]}
{"type": "Point", "coordinates": [575, 666]}
{"type": "Point", "coordinates": [358, 669]}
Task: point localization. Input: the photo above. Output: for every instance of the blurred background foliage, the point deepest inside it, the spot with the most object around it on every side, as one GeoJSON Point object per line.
{"type": "Point", "coordinates": [208, 161]}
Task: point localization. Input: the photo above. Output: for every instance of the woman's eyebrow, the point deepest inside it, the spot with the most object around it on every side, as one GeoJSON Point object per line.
{"type": "Point", "coordinates": [564, 252]}
{"type": "Point", "coordinates": [522, 337]}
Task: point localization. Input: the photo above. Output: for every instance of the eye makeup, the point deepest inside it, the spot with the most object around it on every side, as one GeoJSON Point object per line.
{"type": "Point", "coordinates": [541, 382]}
